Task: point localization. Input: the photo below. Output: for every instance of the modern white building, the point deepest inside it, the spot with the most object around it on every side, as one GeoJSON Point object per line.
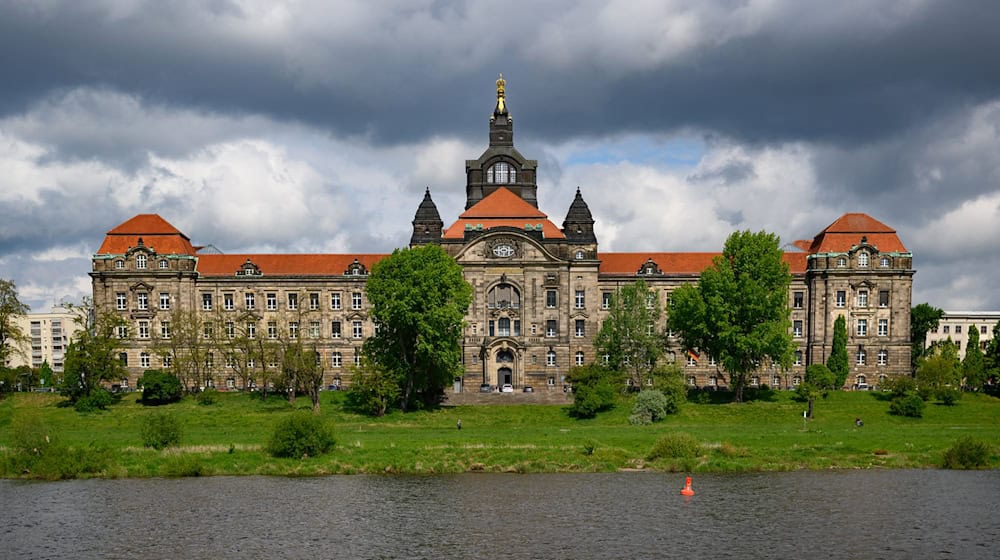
{"type": "Point", "coordinates": [956, 325]}
{"type": "Point", "coordinates": [48, 336]}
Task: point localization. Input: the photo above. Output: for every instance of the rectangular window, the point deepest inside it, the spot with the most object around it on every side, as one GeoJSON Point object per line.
{"type": "Point", "coordinates": [230, 329]}
{"type": "Point", "coordinates": [883, 327]}
{"type": "Point", "coordinates": [356, 331]}
{"type": "Point", "coordinates": [272, 301]}
{"type": "Point", "coordinates": [293, 301]}
{"type": "Point", "coordinates": [517, 327]}
{"type": "Point", "coordinates": [883, 357]}
{"type": "Point", "coordinates": [580, 299]}
{"type": "Point", "coordinates": [862, 298]}
{"type": "Point", "coordinates": [356, 300]}
{"type": "Point", "coordinates": [492, 327]}
{"type": "Point", "coordinates": [293, 329]}
{"type": "Point", "coordinates": [167, 360]}
{"type": "Point", "coordinates": [314, 301]}
{"type": "Point", "coordinates": [357, 358]}
{"type": "Point", "coordinates": [550, 299]}
{"type": "Point", "coordinates": [209, 360]}
{"type": "Point", "coordinates": [503, 326]}
{"type": "Point", "coordinates": [206, 302]}
{"type": "Point", "coordinates": [946, 329]}
{"type": "Point", "coordinates": [122, 331]}
{"type": "Point", "coordinates": [251, 330]}
{"type": "Point", "coordinates": [208, 331]}
{"type": "Point", "coordinates": [314, 328]}
{"type": "Point", "coordinates": [272, 329]}
{"type": "Point", "coordinates": [650, 301]}
{"type": "Point", "coordinates": [551, 328]}
{"type": "Point", "coordinates": [335, 300]}
{"type": "Point", "coordinates": [250, 301]}
{"type": "Point", "coordinates": [958, 329]}
{"type": "Point", "coordinates": [883, 298]}
{"type": "Point", "coordinates": [142, 301]}
{"type": "Point", "coordinates": [165, 329]}
{"type": "Point", "coordinates": [123, 359]}
{"type": "Point", "coordinates": [862, 327]}
{"type": "Point", "coordinates": [797, 328]}
{"type": "Point", "coordinates": [841, 298]}
{"type": "Point", "coordinates": [335, 329]}
{"type": "Point", "coordinates": [798, 357]}
{"type": "Point", "coordinates": [336, 360]}
{"type": "Point", "coordinates": [798, 300]}
{"type": "Point", "coordinates": [605, 300]}
{"type": "Point", "coordinates": [862, 357]}
{"type": "Point", "coordinates": [144, 360]}
{"type": "Point", "coordinates": [550, 358]}
{"type": "Point", "coordinates": [580, 328]}
{"type": "Point", "coordinates": [120, 301]}
{"type": "Point", "coordinates": [227, 302]}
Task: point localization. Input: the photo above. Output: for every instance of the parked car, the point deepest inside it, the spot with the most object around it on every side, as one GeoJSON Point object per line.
{"type": "Point", "coordinates": [485, 388]}
{"type": "Point", "coordinates": [507, 388]}
{"type": "Point", "coordinates": [529, 389]}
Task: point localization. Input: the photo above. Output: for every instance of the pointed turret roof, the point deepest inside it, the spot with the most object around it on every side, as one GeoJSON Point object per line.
{"type": "Point", "coordinates": [427, 211]}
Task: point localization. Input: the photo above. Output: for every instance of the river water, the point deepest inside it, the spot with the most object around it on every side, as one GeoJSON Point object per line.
{"type": "Point", "coordinates": [840, 514]}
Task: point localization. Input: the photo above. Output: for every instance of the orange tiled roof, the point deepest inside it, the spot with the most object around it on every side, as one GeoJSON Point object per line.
{"type": "Point", "coordinates": [847, 231]}
{"type": "Point", "coordinates": [677, 263]}
{"type": "Point", "coordinates": [502, 208]}
{"type": "Point", "coordinates": [156, 233]}
{"type": "Point", "coordinates": [284, 265]}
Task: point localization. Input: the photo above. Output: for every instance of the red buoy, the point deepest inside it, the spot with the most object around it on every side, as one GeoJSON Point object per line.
{"type": "Point", "coordinates": [687, 491]}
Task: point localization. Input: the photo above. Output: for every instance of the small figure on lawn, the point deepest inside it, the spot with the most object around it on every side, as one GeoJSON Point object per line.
{"type": "Point", "coordinates": [858, 422]}
{"type": "Point", "coordinates": [459, 424]}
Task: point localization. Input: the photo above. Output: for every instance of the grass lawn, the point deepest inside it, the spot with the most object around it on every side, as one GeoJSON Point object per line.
{"type": "Point", "coordinates": [227, 438]}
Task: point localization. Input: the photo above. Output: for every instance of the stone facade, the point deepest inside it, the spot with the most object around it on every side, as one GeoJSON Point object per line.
{"type": "Point", "coordinates": [540, 291]}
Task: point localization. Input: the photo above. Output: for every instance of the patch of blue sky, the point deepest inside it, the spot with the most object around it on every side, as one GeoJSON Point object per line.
{"type": "Point", "coordinates": [674, 152]}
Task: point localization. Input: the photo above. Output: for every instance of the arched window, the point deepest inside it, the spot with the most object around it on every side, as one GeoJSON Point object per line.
{"type": "Point", "coordinates": [884, 262]}
{"type": "Point", "coordinates": [505, 357]}
{"type": "Point", "coordinates": [550, 358]}
{"type": "Point", "coordinates": [164, 264]}
{"type": "Point", "coordinates": [504, 296]}
{"type": "Point", "coordinates": [501, 173]}
{"type": "Point", "coordinates": [579, 358]}
{"type": "Point", "coordinates": [862, 260]}
{"type": "Point", "coordinates": [841, 262]}
{"type": "Point", "coordinates": [862, 357]}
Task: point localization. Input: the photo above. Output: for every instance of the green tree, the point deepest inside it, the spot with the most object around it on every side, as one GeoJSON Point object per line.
{"type": "Point", "coordinates": [738, 311]}
{"type": "Point", "coordinates": [838, 361]}
{"type": "Point", "coordinates": [628, 335]}
{"type": "Point", "coordinates": [991, 359]}
{"type": "Point", "coordinates": [303, 368]}
{"type": "Point", "coordinates": [160, 387]}
{"type": "Point", "coordinates": [818, 382]}
{"type": "Point", "coordinates": [46, 377]}
{"type": "Point", "coordinates": [12, 338]}
{"type": "Point", "coordinates": [373, 390]}
{"type": "Point", "coordinates": [973, 367]}
{"type": "Point", "coordinates": [594, 389]}
{"type": "Point", "coordinates": [923, 318]}
{"type": "Point", "coordinates": [939, 372]}
{"type": "Point", "coordinates": [92, 357]}
{"type": "Point", "coordinates": [419, 300]}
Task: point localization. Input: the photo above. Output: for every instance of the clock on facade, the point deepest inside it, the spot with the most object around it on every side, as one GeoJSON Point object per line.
{"type": "Point", "coordinates": [503, 250]}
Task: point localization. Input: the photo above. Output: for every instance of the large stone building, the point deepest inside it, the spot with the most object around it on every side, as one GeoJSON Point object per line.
{"type": "Point", "coordinates": [541, 291]}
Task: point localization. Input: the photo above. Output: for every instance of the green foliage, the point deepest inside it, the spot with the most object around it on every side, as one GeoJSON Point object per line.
{"type": "Point", "coordinates": [967, 453]}
{"type": "Point", "coordinates": [373, 390]}
{"type": "Point", "coordinates": [208, 397]}
{"type": "Point", "coordinates": [301, 369]}
{"type": "Point", "coordinates": [738, 312]}
{"type": "Point", "coordinates": [98, 399]}
{"type": "Point", "coordinates": [822, 377]}
{"type": "Point", "coordinates": [594, 390]}
{"type": "Point", "coordinates": [160, 387]}
{"type": "Point", "coordinates": [838, 360]}
{"type": "Point", "coordinates": [900, 385]}
{"type": "Point", "coordinates": [301, 435]}
{"type": "Point", "coordinates": [160, 430]}
{"type": "Point", "coordinates": [589, 447]}
{"type": "Point", "coordinates": [923, 318]}
{"type": "Point", "coordinates": [419, 299]}
{"type": "Point", "coordinates": [991, 361]}
{"type": "Point", "coordinates": [92, 358]}
{"type": "Point", "coordinates": [911, 406]}
{"type": "Point", "coordinates": [675, 445]}
{"type": "Point", "coordinates": [625, 336]}
{"type": "Point", "coordinates": [11, 335]}
{"type": "Point", "coordinates": [46, 377]}
{"type": "Point", "coordinates": [938, 375]}
{"type": "Point", "coordinates": [973, 365]}
{"type": "Point", "coordinates": [37, 452]}
{"type": "Point", "coordinates": [650, 406]}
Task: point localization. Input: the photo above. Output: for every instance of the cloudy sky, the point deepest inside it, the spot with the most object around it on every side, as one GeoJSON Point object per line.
{"type": "Point", "coordinates": [314, 126]}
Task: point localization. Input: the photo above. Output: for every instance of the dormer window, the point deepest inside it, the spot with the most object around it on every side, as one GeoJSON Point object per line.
{"type": "Point", "coordinates": [164, 264]}
{"type": "Point", "coordinates": [579, 255]}
{"type": "Point", "coordinates": [119, 264]}
{"type": "Point", "coordinates": [884, 262]}
{"type": "Point", "coordinates": [841, 262]}
{"type": "Point", "coordinates": [140, 261]}
{"type": "Point", "coordinates": [501, 173]}
{"type": "Point", "coordinates": [862, 260]}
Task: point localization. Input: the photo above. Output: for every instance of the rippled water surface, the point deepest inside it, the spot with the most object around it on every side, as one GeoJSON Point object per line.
{"type": "Point", "coordinates": [854, 514]}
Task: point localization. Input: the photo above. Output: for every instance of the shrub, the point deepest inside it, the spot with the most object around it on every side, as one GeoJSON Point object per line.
{"type": "Point", "coordinates": [677, 445]}
{"type": "Point", "coordinates": [650, 406]}
{"type": "Point", "coordinates": [594, 390]}
{"type": "Point", "coordinates": [949, 395]}
{"type": "Point", "coordinates": [160, 430]}
{"type": "Point", "coordinates": [900, 386]}
{"type": "Point", "coordinates": [967, 453]}
{"type": "Point", "coordinates": [909, 405]}
{"type": "Point", "coordinates": [207, 397]}
{"type": "Point", "coordinates": [99, 399]}
{"type": "Point", "coordinates": [301, 435]}
{"type": "Point", "coordinates": [160, 387]}
{"type": "Point", "coordinates": [589, 447]}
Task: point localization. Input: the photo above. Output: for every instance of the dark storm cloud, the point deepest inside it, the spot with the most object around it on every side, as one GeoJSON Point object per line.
{"type": "Point", "coordinates": [797, 76]}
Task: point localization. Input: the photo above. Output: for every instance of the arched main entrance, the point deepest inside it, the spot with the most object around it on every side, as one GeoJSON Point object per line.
{"type": "Point", "coordinates": [505, 366]}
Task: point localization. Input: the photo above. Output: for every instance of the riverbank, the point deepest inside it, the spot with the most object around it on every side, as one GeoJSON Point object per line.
{"type": "Point", "coordinates": [227, 438]}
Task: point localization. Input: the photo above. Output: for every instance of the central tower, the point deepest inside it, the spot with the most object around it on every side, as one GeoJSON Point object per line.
{"type": "Point", "coordinates": [501, 165]}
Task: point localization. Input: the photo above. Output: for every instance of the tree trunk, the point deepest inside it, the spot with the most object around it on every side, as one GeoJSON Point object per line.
{"type": "Point", "coordinates": [809, 413]}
